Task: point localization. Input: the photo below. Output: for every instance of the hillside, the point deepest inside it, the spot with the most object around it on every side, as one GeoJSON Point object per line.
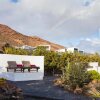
{"type": "Point", "coordinates": [8, 35]}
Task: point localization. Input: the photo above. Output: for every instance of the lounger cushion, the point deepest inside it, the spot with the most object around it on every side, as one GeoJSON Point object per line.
{"type": "Point", "coordinates": [20, 65]}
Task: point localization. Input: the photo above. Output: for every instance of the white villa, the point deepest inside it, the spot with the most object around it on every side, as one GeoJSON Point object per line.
{"type": "Point", "coordinates": [81, 52]}
{"type": "Point", "coordinates": [26, 47]}
{"type": "Point", "coordinates": [72, 50]}
{"type": "Point", "coordinates": [61, 50]}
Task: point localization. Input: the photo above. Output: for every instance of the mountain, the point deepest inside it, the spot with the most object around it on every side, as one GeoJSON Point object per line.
{"type": "Point", "coordinates": [8, 35]}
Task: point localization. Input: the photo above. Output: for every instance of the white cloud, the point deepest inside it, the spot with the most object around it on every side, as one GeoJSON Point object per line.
{"type": "Point", "coordinates": [53, 19]}
{"type": "Point", "coordinates": [90, 45]}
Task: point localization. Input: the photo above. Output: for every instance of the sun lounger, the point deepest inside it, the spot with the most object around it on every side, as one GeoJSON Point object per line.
{"type": "Point", "coordinates": [27, 65]}
{"type": "Point", "coordinates": [13, 65]}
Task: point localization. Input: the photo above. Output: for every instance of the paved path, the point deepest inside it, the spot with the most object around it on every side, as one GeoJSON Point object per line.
{"type": "Point", "coordinates": [46, 88]}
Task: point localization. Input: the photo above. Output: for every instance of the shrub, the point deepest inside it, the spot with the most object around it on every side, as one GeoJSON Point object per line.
{"type": "Point", "coordinates": [2, 81]}
{"type": "Point", "coordinates": [94, 75]}
{"type": "Point", "coordinates": [75, 74]}
{"type": "Point", "coordinates": [95, 93]}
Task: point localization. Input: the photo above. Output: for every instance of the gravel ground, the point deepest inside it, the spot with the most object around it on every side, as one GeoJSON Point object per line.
{"type": "Point", "coordinates": [27, 98]}
{"type": "Point", "coordinates": [46, 88]}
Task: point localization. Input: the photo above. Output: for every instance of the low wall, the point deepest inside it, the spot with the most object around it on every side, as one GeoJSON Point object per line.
{"type": "Point", "coordinates": [36, 60]}
{"type": "Point", "coordinates": [94, 66]}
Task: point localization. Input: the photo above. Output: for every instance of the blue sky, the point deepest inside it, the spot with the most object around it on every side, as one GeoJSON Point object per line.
{"type": "Point", "coordinates": [15, 1]}
{"type": "Point", "coordinates": [66, 22]}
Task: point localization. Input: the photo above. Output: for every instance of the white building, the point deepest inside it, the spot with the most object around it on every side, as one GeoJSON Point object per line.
{"type": "Point", "coordinates": [72, 50]}
{"type": "Point", "coordinates": [61, 50]}
{"type": "Point", "coordinates": [94, 66]}
{"type": "Point", "coordinates": [26, 47]}
{"type": "Point", "coordinates": [81, 52]}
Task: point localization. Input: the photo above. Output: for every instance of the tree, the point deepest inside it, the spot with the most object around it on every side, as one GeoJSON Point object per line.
{"type": "Point", "coordinates": [7, 45]}
{"type": "Point", "coordinates": [40, 51]}
{"type": "Point", "coordinates": [51, 61]}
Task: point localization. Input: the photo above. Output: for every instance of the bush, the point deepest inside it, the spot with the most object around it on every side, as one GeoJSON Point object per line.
{"type": "Point", "coordinates": [75, 75]}
{"type": "Point", "coordinates": [2, 81]}
{"type": "Point", "coordinates": [94, 75]}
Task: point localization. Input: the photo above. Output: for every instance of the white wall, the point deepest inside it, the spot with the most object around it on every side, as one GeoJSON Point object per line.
{"type": "Point", "coordinates": [94, 66]}
{"type": "Point", "coordinates": [36, 60]}
{"type": "Point", "coordinates": [61, 50]}
{"type": "Point", "coordinates": [71, 50]}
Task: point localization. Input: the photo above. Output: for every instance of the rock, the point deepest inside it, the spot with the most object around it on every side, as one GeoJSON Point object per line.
{"type": "Point", "coordinates": [94, 81]}
{"type": "Point", "coordinates": [78, 90]}
{"type": "Point", "coordinates": [90, 85]}
{"type": "Point", "coordinates": [58, 82]}
{"type": "Point", "coordinates": [9, 91]}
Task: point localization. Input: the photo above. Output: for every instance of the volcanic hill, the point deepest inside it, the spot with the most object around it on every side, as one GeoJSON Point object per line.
{"type": "Point", "coordinates": [14, 38]}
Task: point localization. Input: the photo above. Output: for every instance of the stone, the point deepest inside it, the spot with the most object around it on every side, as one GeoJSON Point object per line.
{"type": "Point", "coordinates": [9, 91]}
{"type": "Point", "coordinates": [78, 90]}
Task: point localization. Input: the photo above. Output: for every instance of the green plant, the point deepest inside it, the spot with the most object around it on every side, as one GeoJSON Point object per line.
{"type": "Point", "coordinates": [40, 51]}
{"type": "Point", "coordinates": [94, 75]}
{"type": "Point", "coordinates": [2, 81]}
{"type": "Point", "coordinates": [95, 93]}
{"type": "Point", "coordinates": [75, 74]}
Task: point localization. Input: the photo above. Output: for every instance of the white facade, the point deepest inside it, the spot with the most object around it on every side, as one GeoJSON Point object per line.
{"type": "Point", "coordinates": [48, 47]}
{"type": "Point", "coordinates": [72, 50]}
{"type": "Point", "coordinates": [26, 47]}
{"type": "Point", "coordinates": [20, 76]}
{"type": "Point", "coordinates": [61, 50]}
{"type": "Point", "coordinates": [94, 66]}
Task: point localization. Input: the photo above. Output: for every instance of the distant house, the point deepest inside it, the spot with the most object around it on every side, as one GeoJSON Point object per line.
{"type": "Point", "coordinates": [61, 50]}
{"type": "Point", "coordinates": [72, 50]}
{"type": "Point", "coordinates": [81, 52]}
{"type": "Point", "coordinates": [26, 47]}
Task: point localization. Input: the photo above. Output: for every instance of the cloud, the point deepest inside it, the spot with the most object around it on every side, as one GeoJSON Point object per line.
{"type": "Point", "coordinates": [43, 15]}
{"type": "Point", "coordinates": [56, 20]}
{"type": "Point", "coordinates": [87, 2]}
{"type": "Point", "coordinates": [90, 45]}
